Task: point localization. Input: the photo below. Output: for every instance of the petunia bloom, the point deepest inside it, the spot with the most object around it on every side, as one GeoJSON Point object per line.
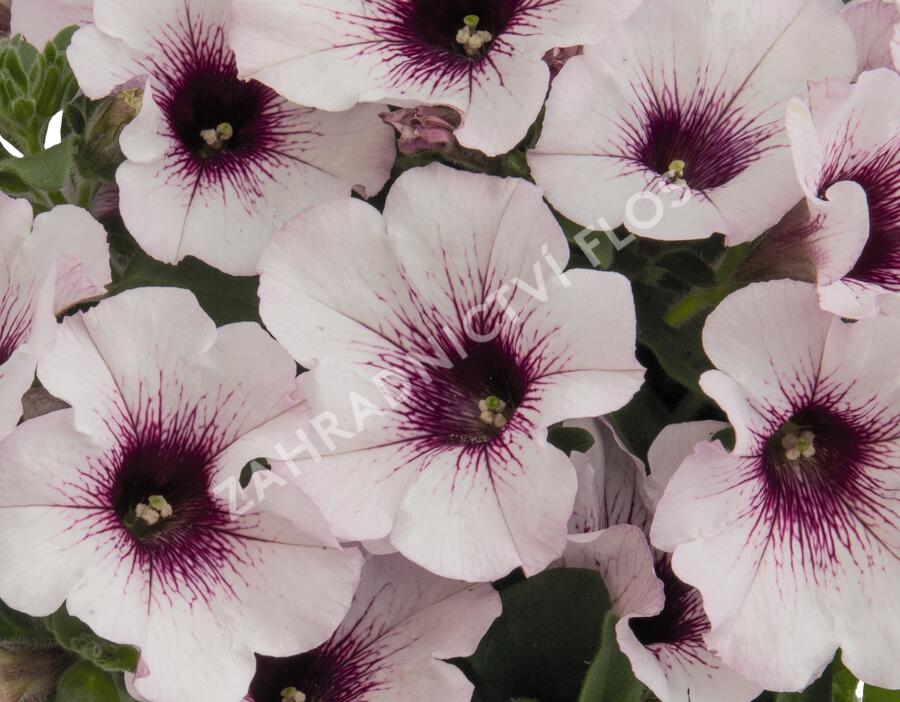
{"type": "Point", "coordinates": [873, 23]}
{"type": "Point", "coordinates": [482, 57]}
{"type": "Point", "coordinates": [216, 164]}
{"type": "Point", "coordinates": [120, 505]}
{"type": "Point", "coordinates": [661, 620]}
{"type": "Point", "coordinates": [444, 339]}
{"type": "Point", "coordinates": [674, 126]}
{"type": "Point", "coordinates": [48, 264]}
{"type": "Point", "coordinates": [791, 537]}
{"type": "Point", "coordinates": [846, 144]}
{"type": "Point", "coordinates": [403, 624]}
{"type": "Point", "coordinates": [41, 20]}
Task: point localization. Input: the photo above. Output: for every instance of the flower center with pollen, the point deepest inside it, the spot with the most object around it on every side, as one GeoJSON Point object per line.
{"type": "Point", "coordinates": [798, 444]}
{"type": "Point", "coordinates": [675, 172]}
{"type": "Point", "coordinates": [491, 411]}
{"type": "Point", "coordinates": [215, 138]}
{"type": "Point", "coordinates": [292, 694]}
{"type": "Point", "coordinates": [149, 513]}
{"type": "Point", "coordinates": [472, 39]}
{"type": "Point", "coordinates": [813, 444]}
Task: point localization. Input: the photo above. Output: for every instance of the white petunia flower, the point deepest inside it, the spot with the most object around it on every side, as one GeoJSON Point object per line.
{"type": "Point", "coordinates": [120, 508]}
{"type": "Point", "coordinates": [216, 164]}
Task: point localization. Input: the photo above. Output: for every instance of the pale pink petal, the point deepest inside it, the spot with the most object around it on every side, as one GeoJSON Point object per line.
{"type": "Point", "coordinates": [219, 201]}
{"type": "Point", "coordinates": [53, 505]}
{"type": "Point", "coordinates": [41, 20]}
{"type": "Point", "coordinates": [17, 217]}
{"type": "Point", "coordinates": [420, 331]}
{"type": "Point", "coordinates": [872, 22]}
{"type": "Point", "coordinates": [669, 449]}
{"type": "Point", "coordinates": [244, 385]}
{"type": "Point", "coordinates": [415, 621]}
{"type": "Point", "coordinates": [334, 55]}
{"type": "Point", "coordinates": [477, 514]}
{"type": "Point", "coordinates": [77, 242]}
{"type": "Point", "coordinates": [158, 395]}
{"type": "Point", "coordinates": [842, 132]}
{"type": "Point", "coordinates": [622, 556]}
{"type": "Point", "coordinates": [789, 333]}
{"type": "Point", "coordinates": [101, 63]}
{"type": "Point", "coordinates": [403, 625]}
{"type": "Point", "coordinates": [510, 87]}
{"type": "Point", "coordinates": [794, 560]}
{"type": "Point", "coordinates": [60, 259]}
{"type": "Point", "coordinates": [611, 482]}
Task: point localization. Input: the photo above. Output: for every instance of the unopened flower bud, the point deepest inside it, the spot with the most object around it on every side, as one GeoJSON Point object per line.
{"type": "Point", "coordinates": [31, 674]}
{"type": "Point", "coordinates": [4, 18]}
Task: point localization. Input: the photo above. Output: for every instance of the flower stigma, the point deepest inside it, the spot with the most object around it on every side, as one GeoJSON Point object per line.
{"type": "Point", "coordinates": [154, 510]}
{"type": "Point", "coordinates": [675, 173]}
{"type": "Point", "coordinates": [492, 411]}
{"type": "Point", "coordinates": [471, 38]}
{"type": "Point", "coordinates": [798, 446]}
{"type": "Point", "coordinates": [216, 138]}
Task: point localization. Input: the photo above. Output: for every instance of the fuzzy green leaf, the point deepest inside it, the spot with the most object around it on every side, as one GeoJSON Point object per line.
{"type": "Point", "coordinates": [75, 636]}
{"type": "Point", "coordinates": [610, 679]}
{"type": "Point", "coordinates": [47, 170]}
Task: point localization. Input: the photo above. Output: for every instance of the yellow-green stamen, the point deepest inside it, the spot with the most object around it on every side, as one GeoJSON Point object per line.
{"type": "Point", "coordinates": [676, 170]}
{"type": "Point", "coordinates": [292, 694]}
{"type": "Point", "coordinates": [471, 38]}
{"type": "Point", "coordinates": [216, 138]}
{"type": "Point", "coordinates": [491, 411]}
{"type": "Point", "coordinates": [797, 446]}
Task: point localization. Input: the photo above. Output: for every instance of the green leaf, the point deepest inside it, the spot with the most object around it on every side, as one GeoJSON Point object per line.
{"type": "Point", "coordinates": [33, 87]}
{"type": "Point", "coordinates": [257, 464]}
{"type": "Point", "coordinates": [590, 248]}
{"type": "Point", "coordinates": [639, 422]}
{"type": "Point", "coordinates": [18, 629]}
{"type": "Point", "coordinates": [543, 643]}
{"type": "Point", "coordinates": [819, 691]}
{"type": "Point", "coordinates": [843, 682]}
{"type": "Point", "coordinates": [223, 297]}
{"type": "Point", "coordinates": [75, 636]}
{"type": "Point", "coordinates": [84, 682]}
{"type": "Point", "coordinates": [688, 267]}
{"type": "Point", "coordinates": [12, 184]}
{"type": "Point", "coordinates": [679, 351]}
{"type": "Point", "coordinates": [46, 170]}
{"type": "Point", "coordinates": [570, 439]}
{"type": "Point", "coordinates": [47, 100]}
{"type": "Point", "coordinates": [62, 40]}
{"type": "Point", "coordinates": [610, 679]}
{"type": "Point", "coordinates": [726, 436]}
{"type": "Point", "coordinates": [12, 62]}
{"type": "Point", "coordinates": [878, 694]}
{"type": "Point", "coordinates": [23, 109]}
